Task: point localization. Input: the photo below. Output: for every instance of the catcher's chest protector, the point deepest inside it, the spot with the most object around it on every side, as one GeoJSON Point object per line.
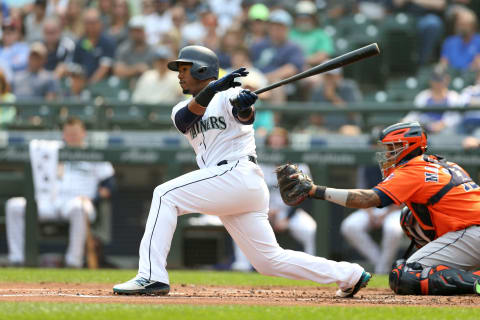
{"type": "Point", "coordinates": [421, 209]}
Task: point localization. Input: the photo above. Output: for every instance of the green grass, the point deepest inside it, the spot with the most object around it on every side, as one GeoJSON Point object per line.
{"type": "Point", "coordinates": [50, 311]}
{"type": "Point", "coordinates": [176, 277]}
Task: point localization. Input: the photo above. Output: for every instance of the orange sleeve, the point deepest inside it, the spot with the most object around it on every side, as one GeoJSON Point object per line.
{"type": "Point", "coordinates": [402, 184]}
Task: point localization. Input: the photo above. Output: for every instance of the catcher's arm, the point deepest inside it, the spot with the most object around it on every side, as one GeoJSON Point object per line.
{"type": "Point", "coordinates": [352, 198]}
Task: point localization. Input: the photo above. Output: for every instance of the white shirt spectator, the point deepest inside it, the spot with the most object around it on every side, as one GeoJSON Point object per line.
{"type": "Point", "coordinates": [471, 97]}
{"type": "Point", "coordinates": [425, 99]}
{"type": "Point", "coordinates": [154, 88]}
{"type": "Point", "coordinates": [156, 26]}
{"type": "Point", "coordinates": [226, 11]}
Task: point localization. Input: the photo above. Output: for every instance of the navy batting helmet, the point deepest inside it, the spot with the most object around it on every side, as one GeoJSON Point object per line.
{"type": "Point", "coordinates": [204, 62]}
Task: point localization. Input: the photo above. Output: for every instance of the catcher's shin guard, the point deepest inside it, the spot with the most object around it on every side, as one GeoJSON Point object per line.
{"type": "Point", "coordinates": [412, 278]}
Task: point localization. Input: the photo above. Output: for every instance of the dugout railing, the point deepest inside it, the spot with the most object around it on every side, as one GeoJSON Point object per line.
{"type": "Point", "coordinates": [323, 162]}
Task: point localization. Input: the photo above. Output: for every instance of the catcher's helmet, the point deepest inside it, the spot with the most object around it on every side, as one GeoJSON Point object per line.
{"type": "Point", "coordinates": [204, 62]}
{"type": "Point", "coordinates": [402, 142]}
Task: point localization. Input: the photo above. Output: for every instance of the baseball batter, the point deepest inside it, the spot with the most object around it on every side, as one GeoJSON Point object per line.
{"type": "Point", "coordinates": [217, 121]}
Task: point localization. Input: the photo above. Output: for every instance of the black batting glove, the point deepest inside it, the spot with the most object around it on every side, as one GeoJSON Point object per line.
{"type": "Point", "coordinates": [244, 100]}
{"type": "Point", "coordinates": [224, 83]}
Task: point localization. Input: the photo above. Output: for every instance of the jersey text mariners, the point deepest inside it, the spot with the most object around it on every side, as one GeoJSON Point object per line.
{"type": "Point", "coordinates": [218, 135]}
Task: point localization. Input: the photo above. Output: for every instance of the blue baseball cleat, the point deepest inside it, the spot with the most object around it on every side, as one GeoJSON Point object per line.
{"type": "Point", "coordinates": [350, 292]}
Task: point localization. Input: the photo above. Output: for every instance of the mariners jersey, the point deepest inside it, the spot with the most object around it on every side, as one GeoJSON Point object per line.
{"type": "Point", "coordinates": [218, 135]}
{"type": "Point", "coordinates": [81, 178]}
{"type": "Point", "coordinates": [418, 180]}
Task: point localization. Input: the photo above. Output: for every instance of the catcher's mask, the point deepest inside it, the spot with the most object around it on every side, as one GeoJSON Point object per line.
{"type": "Point", "coordinates": [400, 142]}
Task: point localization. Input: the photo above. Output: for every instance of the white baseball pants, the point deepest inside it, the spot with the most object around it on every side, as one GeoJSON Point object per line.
{"type": "Point", "coordinates": [237, 193]}
{"type": "Point", "coordinates": [74, 211]}
{"type": "Point", "coordinates": [355, 229]}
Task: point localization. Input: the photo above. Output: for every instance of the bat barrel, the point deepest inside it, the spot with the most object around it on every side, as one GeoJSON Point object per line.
{"type": "Point", "coordinates": [340, 61]}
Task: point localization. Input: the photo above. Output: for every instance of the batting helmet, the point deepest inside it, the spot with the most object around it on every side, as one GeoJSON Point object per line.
{"type": "Point", "coordinates": [204, 62]}
{"type": "Point", "coordinates": [403, 141]}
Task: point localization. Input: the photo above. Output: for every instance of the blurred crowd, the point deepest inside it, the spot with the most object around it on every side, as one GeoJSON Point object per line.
{"type": "Point", "coordinates": [73, 50]}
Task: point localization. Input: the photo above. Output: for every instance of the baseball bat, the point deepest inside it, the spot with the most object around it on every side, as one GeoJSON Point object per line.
{"type": "Point", "coordinates": [340, 61]}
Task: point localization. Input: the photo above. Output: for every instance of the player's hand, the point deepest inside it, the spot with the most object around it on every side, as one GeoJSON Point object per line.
{"type": "Point", "coordinates": [293, 183]}
{"type": "Point", "coordinates": [228, 81]}
{"type": "Point", "coordinates": [244, 99]}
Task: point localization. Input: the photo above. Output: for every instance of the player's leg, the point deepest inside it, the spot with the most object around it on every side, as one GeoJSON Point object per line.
{"type": "Point", "coordinates": [392, 234]}
{"type": "Point", "coordinates": [304, 229]}
{"type": "Point", "coordinates": [214, 190]}
{"type": "Point", "coordinates": [15, 227]}
{"type": "Point", "coordinates": [254, 235]}
{"type": "Point", "coordinates": [447, 265]}
{"type": "Point", "coordinates": [241, 262]}
{"type": "Point", "coordinates": [355, 229]}
{"type": "Point", "coordinates": [76, 212]}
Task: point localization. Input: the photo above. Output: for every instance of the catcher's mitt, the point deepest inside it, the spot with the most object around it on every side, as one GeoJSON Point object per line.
{"type": "Point", "coordinates": [293, 189]}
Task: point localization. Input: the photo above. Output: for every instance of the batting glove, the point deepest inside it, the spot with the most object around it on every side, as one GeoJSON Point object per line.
{"type": "Point", "coordinates": [244, 100]}
{"type": "Point", "coordinates": [226, 82]}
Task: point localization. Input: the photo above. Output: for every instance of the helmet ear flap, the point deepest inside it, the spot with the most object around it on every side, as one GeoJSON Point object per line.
{"type": "Point", "coordinates": [201, 70]}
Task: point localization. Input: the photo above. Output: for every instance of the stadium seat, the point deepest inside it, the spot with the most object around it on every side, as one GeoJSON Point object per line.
{"type": "Point", "coordinates": [403, 89]}
{"type": "Point", "coordinates": [399, 45]}
{"type": "Point", "coordinates": [126, 117]}
{"type": "Point", "coordinates": [32, 116]}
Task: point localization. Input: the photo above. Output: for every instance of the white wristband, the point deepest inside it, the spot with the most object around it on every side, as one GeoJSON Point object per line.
{"type": "Point", "coordinates": [338, 196]}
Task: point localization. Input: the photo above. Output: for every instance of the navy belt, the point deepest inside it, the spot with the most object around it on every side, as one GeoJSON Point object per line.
{"type": "Point", "coordinates": [250, 158]}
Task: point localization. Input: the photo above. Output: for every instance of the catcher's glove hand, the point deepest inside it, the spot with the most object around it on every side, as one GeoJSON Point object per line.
{"type": "Point", "coordinates": [293, 183]}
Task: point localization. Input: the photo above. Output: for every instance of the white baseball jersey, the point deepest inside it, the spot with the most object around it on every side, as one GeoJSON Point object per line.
{"type": "Point", "coordinates": [218, 135]}
{"type": "Point", "coordinates": [81, 178]}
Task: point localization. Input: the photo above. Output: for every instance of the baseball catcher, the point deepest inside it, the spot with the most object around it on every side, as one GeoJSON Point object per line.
{"type": "Point", "coordinates": [441, 214]}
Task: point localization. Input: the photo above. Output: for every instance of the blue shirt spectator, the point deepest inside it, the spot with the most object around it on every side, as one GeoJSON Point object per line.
{"type": "Point", "coordinates": [35, 82]}
{"type": "Point", "coordinates": [462, 50]}
{"type": "Point", "coordinates": [95, 51]}
{"type": "Point", "coordinates": [14, 51]}
{"type": "Point", "coordinates": [268, 57]}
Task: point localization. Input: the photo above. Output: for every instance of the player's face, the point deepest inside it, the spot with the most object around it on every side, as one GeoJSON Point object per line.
{"type": "Point", "coordinates": [74, 135]}
{"type": "Point", "coordinates": [189, 84]}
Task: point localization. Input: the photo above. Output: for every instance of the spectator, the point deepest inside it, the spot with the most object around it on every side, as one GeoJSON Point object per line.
{"type": "Point", "coordinates": [276, 56]}
{"type": "Point", "coordinates": [105, 8]}
{"type": "Point", "coordinates": [157, 19]}
{"type": "Point", "coordinates": [34, 21]}
{"type": "Point", "coordinates": [356, 227]}
{"type": "Point", "coordinates": [437, 95]}
{"type": "Point", "coordinates": [13, 51]}
{"type": "Point", "coordinates": [135, 56]}
{"type": "Point", "coordinates": [227, 12]}
{"type": "Point", "coordinates": [158, 85]}
{"type": "Point", "coordinates": [7, 113]}
{"type": "Point", "coordinates": [317, 46]}
{"type": "Point", "coordinates": [339, 92]}
{"type": "Point", "coordinates": [192, 7]}
{"type": "Point", "coordinates": [178, 21]}
{"type": "Point", "coordinates": [257, 24]}
{"type": "Point", "coordinates": [56, 7]}
{"type": "Point", "coordinates": [462, 50]}
{"type": "Point", "coordinates": [203, 31]}
{"type": "Point", "coordinates": [118, 30]}
{"type": "Point", "coordinates": [228, 43]}
{"type": "Point", "coordinates": [78, 185]}
{"type": "Point", "coordinates": [73, 25]}
{"type": "Point", "coordinates": [59, 48]}
{"type": "Point", "coordinates": [77, 89]}
{"type": "Point", "coordinates": [470, 96]}
{"type": "Point", "coordinates": [36, 82]}
{"type": "Point", "coordinates": [430, 26]}
{"type": "Point", "coordinates": [94, 51]}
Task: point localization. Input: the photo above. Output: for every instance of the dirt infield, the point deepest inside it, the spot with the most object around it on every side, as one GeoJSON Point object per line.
{"type": "Point", "coordinates": [215, 295]}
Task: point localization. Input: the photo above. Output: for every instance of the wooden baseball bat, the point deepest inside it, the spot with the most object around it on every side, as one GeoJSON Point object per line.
{"type": "Point", "coordinates": [340, 61]}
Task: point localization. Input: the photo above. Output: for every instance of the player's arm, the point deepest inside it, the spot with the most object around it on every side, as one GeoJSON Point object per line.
{"type": "Point", "coordinates": [351, 198]}
{"type": "Point", "coordinates": [295, 187]}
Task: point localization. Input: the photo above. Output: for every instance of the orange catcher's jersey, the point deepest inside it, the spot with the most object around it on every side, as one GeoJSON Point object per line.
{"type": "Point", "coordinates": [418, 180]}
